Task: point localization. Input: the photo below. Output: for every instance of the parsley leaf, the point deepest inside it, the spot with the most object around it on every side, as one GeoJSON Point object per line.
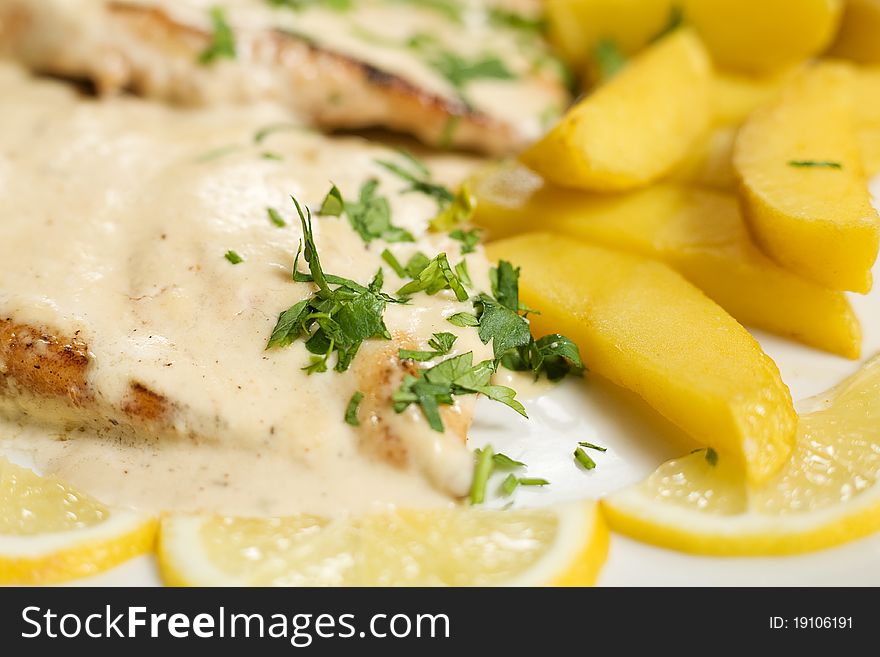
{"type": "Point", "coordinates": [609, 59]}
{"type": "Point", "coordinates": [483, 467]}
{"type": "Point", "coordinates": [826, 164]}
{"type": "Point", "coordinates": [505, 328]}
{"type": "Point", "coordinates": [439, 385]}
{"type": "Point", "coordinates": [441, 343]}
{"type": "Point", "coordinates": [333, 319]}
{"type": "Point", "coordinates": [468, 238]}
{"type": "Point", "coordinates": [351, 410]}
{"type": "Point", "coordinates": [436, 276]}
{"type": "Point", "coordinates": [222, 39]}
{"type": "Point", "coordinates": [275, 217]}
{"type": "Point", "coordinates": [463, 319]}
{"type": "Point", "coordinates": [233, 257]}
{"type": "Point", "coordinates": [460, 211]}
{"type": "Point", "coordinates": [369, 216]}
{"type": "Point", "coordinates": [460, 72]}
{"type": "Point", "coordinates": [418, 177]}
{"type": "Point", "coordinates": [581, 457]}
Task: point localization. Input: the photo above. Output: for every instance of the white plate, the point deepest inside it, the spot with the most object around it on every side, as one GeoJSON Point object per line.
{"type": "Point", "coordinates": [638, 440]}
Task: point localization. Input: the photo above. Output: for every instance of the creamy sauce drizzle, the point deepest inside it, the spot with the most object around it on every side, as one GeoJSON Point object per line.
{"type": "Point", "coordinates": [115, 218]}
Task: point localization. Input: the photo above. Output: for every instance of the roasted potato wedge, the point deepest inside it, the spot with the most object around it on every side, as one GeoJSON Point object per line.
{"type": "Point", "coordinates": [637, 126]}
{"type": "Point", "coordinates": [644, 327]}
{"type": "Point", "coordinates": [802, 185]}
{"type": "Point", "coordinates": [764, 36]}
{"type": "Point", "coordinates": [699, 233]}
{"type": "Point", "coordinates": [576, 26]}
{"type": "Point", "coordinates": [859, 35]}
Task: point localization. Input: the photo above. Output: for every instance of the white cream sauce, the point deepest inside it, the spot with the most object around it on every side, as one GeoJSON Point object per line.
{"type": "Point", "coordinates": [114, 220]}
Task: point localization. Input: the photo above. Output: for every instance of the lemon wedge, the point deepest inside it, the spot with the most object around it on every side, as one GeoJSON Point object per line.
{"type": "Point", "coordinates": [827, 494]}
{"type": "Point", "coordinates": [51, 533]}
{"type": "Point", "coordinates": [565, 545]}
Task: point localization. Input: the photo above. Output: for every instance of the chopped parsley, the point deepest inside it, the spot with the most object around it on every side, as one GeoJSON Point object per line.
{"type": "Point", "coordinates": [299, 5]}
{"type": "Point", "coordinates": [275, 217]}
{"type": "Point", "coordinates": [516, 21]}
{"type": "Point", "coordinates": [501, 318]}
{"type": "Point", "coordinates": [463, 319]}
{"type": "Point", "coordinates": [222, 44]}
{"type": "Point", "coordinates": [437, 275]}
{"type": "Point", "coordinates": [441, 343]}
{"type": "Point", "coordinates": [592, 446]}
{"type": "Point", "coordinates": [511, 482]}
{"type": "Point", "coordinates": [332, 320]}
{"type": "Point", "coordinates": [447, 135]}
{"type": "Point", "coordinates": [468, 238]}
{"type": "Point", "coordinates": [461, 270]}
{"type": "Point", "coordinates": [460, 72]}
{"type": "Point", "coordinates": [581, 457]}
{"type": "Point", "coordinates": [460, 211]}
{"type": "Point", "coordinates": [264, 133]}
{"type": "Point", "coordinates": [505, 462]}
{"type": "Point", "coordinates": [819, 164]}
{"type": "Point", "coordinates": [483, 466]}
{"type": "Point", "coordinates": [351, 411]}
{"type": "Point", "coordinates": [369, 215]}
{"type": "Point", "coordinates": [609, 59]}
{"type": "Point", "coordinates": [233, 257]}
{"type": "Point", "coordinates": [438, 385]}
{"type": "Point", "coordinates": [419, 178]}
{"type": "Point", "coordinates": [271, 155]}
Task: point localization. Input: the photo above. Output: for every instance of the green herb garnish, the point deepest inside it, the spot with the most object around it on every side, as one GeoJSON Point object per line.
{"type": "Point", "coordinates": [819, 164]}
{"type": "Point", "coordinates": [468, 238]}
{"type": "Point", "coordinates": [333, 320]}
{"type": "Point", "coordinates": [441, 343]}
{"type": "Point", "coordinates": [435, 276]}
{"type": "Point", "coordinates": [609, 59]}
{"type": "Point", "coordinates": [454, 376]}
{"type": "Point", "coordinates": [592, 446]}
{"type": "Point", "coordinates": [460, 72]}
{"type": "Point", "coordinates": [509, 485]}
{"type": "Point", "coordinates": [369, 215]}
{"type": "Point", "coordinates": [504, 461]}
{"type": "Point", "coordinates": [463, 319]}
{"type": "Point", "coordinates": [233, 257]}
{"type": "Point", "coordinates": [351, 410]}
{"type": "Point", "coordinates": [222, 44]}
{"type": "Point", "coordinates": [581, 457]}
{"type": "Point", "coordinates": [275, 217]}
{"type": "Point", "coordinates": [482, 469]}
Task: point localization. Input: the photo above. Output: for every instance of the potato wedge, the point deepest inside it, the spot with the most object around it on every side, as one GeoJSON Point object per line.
{"type": "Point", "coordinates": [735, 96]}
{"type": "Point", "coordinates": [699, 233]}
{"type": "Point", "coordinates": [764, 36]}
{"type": "Point", "coordinates": [710, 163]}
{"type": "Point", "coordinates": [634, 128]}
{"type": "Point", "coordinates": [859, 35]}
{"type": "Point", "coordinates": [802, 184]}
{"type": "Point", "coordinates": [644, 327]}
{"type": "Point", "coordinates": [576, 26]}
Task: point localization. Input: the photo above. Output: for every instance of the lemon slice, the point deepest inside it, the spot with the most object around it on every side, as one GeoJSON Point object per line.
{"type": "Point", "coordinates": [565, 545]}
{"type": "Point", "coordinates": [50, 533]}
{"type": "Point", "coordinates": [827, 494]}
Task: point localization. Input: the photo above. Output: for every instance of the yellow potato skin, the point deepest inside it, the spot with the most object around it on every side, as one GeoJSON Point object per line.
{"type": "Point", "coordinates": [859, 35]}
{"type": "Point", "coordinates": [710, 163]}
{"type": "Point", "coordinates": [644, 327]}
{"type": "Point", "coordinates": [699, 233]}
{"type": "Point", "coordinates": [764, 36]}
{"type": "Point", "coordinates": [575, 26]}
{"type": "Point", "coordinates": [816, 221]}
{"type": "Point", "coordinates": [637, 126]}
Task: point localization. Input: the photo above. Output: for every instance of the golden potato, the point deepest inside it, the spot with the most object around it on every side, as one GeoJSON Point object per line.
{"type": "Point", "coordinates": [802, 184]}
{"type": "Point", "coordinates": [576, 26]}
{"type": "Point", "coordinates": [637, 126]}
{"type": "Point", "coordinates": [644, 327]}
{"type": "Point", "coordinates": [859, 35]}
{"type": "Point", "coordinates": [710, 163]}
{"type": "Point", "coordinates": [764, 36]}
{"type": "Point", "coordinates": [735, 96]}
{"type": "Point", "coordinates": [699, 233]}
